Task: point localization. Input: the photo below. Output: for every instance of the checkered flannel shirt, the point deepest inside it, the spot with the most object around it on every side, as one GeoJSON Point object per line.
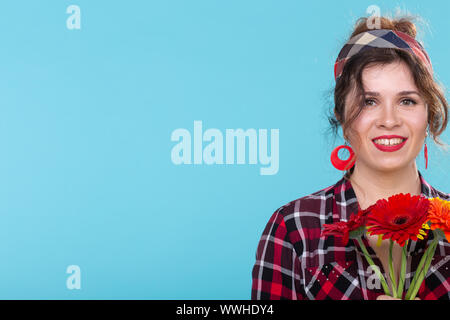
{"type": "Point", "coordinates": [294, 262]}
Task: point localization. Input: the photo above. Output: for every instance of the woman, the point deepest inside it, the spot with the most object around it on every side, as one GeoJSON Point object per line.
{"type": "Point", "coordinates": [388, 105]}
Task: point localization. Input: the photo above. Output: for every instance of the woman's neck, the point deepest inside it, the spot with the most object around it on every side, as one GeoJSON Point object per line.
{"type": "Point", "coordinates": [370, 185]}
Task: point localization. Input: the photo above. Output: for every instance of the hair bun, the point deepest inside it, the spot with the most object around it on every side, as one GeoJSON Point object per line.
{"type": "Point", "coordinates": [405, 26]}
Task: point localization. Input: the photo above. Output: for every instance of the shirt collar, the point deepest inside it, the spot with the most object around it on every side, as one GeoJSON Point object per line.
{"type": "Point", "coordinates": [347, 203]}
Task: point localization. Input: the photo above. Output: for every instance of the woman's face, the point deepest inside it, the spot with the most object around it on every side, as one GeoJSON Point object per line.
{"type": "Point", "coordinates": [392, 106]}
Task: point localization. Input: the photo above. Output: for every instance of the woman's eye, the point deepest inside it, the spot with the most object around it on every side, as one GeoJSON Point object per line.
{"type": "Point", "coordinates": [409, 102]}
{"type": "Point", "coordinates": [369, 102]}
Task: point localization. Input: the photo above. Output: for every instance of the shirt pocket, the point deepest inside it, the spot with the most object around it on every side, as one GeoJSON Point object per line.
{"type": "Point", "coordinates": [336, 280]}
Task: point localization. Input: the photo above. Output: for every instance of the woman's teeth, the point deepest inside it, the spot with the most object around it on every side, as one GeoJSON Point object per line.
{"type": "Point", "coordinates": [389, 142]}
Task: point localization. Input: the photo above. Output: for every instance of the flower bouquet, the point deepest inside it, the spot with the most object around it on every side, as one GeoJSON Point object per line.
{"type": "Point", "coordinates": [401, 218]}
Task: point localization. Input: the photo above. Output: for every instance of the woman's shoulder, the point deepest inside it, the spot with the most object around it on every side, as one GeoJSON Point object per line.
{"type": "Point", "coordinates": [430, 191]}
{"type": "Point", "coordinates": [311, 206]}
{"type": "Point", "coordinates": [300, 219]}
{"type": "Point", "coordinates": [443, 195]}
{"type": "Point", "coordinates": [436, 193]}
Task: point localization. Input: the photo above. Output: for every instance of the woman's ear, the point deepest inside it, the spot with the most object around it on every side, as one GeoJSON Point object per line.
{"type": "Point", "coordinates": [338, 118]}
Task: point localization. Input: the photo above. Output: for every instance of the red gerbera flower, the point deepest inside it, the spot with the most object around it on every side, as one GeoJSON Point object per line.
{"type": "Point", "coordinates": [399, 218]}
{"type": "Point", "coordinates": [343, 228]}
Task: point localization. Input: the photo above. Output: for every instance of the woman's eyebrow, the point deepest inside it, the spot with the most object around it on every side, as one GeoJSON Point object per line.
{"type": "Point", "coordinates": [401, 93]}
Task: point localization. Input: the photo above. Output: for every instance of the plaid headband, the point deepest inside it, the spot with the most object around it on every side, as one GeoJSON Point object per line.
{"type": "Point", "coordinates": [380, 38]}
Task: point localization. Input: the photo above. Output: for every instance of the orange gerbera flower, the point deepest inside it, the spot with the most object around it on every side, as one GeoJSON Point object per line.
{"type": "Point", "coordinates": [439, 215]}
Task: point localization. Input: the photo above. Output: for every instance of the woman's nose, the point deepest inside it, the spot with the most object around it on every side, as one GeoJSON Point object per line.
{"type": "Point", "coordinates": [388, 116]}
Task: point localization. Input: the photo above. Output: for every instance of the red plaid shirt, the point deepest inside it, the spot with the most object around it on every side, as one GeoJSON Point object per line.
{"type": "Point", "coordinates": [293, 261]}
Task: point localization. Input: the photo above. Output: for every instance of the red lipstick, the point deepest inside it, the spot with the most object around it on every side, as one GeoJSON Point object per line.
{"type": "Point", "coordinates": [389, 148]}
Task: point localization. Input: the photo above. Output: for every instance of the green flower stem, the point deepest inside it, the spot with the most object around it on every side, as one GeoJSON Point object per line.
{"type": "Point", "coordinates": [417, 274]}
{"type": "Point", "coordinates": [401, 280]}
{"type": "Point", "coordinates": [424, 271]}
{"type": "Point", "coordinates": [391, 270]}
{"type": "Point", "coordinates": [376, 269]}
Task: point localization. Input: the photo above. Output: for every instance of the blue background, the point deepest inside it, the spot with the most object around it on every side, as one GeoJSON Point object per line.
{"type": "Point", "coordinates": [86, 118]}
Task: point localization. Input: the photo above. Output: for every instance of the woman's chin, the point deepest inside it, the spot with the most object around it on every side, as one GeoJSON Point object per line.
{"type": "Point", "coordinates": [387, 165]}
{"type": "Point", "coordinates": [391, 166]}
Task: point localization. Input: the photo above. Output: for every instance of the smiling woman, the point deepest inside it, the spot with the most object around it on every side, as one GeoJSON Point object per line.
{"type": "Point", "coordinates": [387, 102]}
{"type": "Point", "coordinates": [417, 75]}
{"type": "Point", "coordinates": [391, 121]}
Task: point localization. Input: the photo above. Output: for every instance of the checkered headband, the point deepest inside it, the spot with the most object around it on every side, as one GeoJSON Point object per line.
{"type": "Point", "coordinates": [380, 38]}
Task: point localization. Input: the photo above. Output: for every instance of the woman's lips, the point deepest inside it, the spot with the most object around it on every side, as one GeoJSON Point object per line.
{"type": "Point", "coordinates": [389, 148]}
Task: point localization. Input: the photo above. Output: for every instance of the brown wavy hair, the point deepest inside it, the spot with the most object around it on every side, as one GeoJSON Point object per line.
{"type": "Point", "coordinates": [351, 79]}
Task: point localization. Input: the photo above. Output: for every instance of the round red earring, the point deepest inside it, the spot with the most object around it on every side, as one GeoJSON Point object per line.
{"type": "Point", "coordinates": [342, 164]}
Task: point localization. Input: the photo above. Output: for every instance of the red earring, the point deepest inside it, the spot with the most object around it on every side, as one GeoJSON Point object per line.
{"type": "Point", "coordinates": [425, 152]}
{"type": "Point", "coordinates": [342, 164]}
